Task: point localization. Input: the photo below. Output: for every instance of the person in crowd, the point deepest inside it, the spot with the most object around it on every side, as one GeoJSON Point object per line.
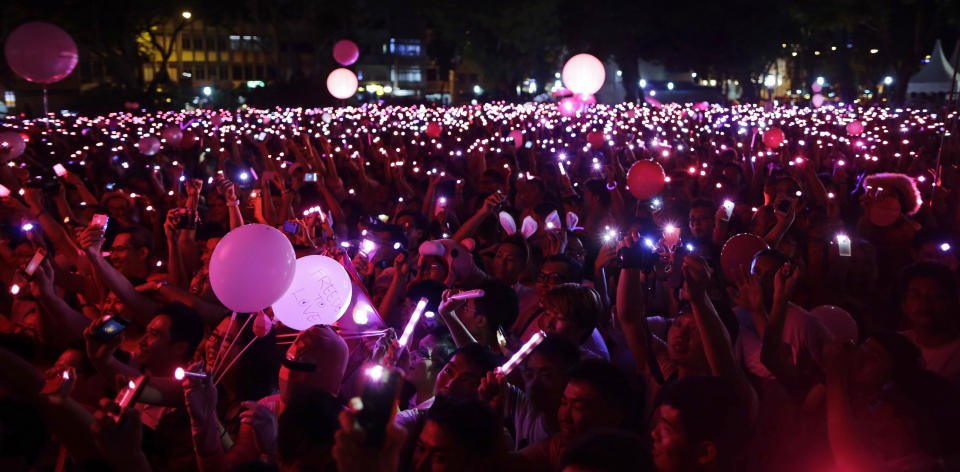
{"type": "Point", "coordinates": [928, 294]}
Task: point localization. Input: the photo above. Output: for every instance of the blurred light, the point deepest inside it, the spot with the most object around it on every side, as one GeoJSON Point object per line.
{"type": "Point", "coordinates": [208, 90]}
{"type": "Point", "coordinates": [186, 15]}
{"type": "Point", "coordinates": [888, 80]}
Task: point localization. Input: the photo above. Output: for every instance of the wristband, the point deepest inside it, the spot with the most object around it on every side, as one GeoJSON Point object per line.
{"type": "Point", "coordinates": [233, 203]}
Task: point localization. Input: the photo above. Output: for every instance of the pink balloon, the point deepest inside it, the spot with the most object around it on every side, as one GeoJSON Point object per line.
{"type": "Point", "coordinates": [646, 179]}
{"type": "Point", "coordinates": [345, 52]}
{"type": "Point", "coordinates": [434, 129]}
{"type": "Point", "coordinates": [773, 137]}
{"type": "Point", "coordinates": [41, 52]}
{"type": "Point", "coordinates": [173, 135]}
{"type": "Point", "coordinates": [738, 252]}
{"type": "Point", "coordinates": [838, 321]}
{"type": "Point", "coordinates": [816, 87]}
{"type": "Point", "coordinates": [252, 267]}
{"type": "Point", "coordinates": [148, 145]}
{"type": "Point", "coordinates": [517, 137]}
{"type": "Point", "coordinates": [569, 106]}
{"type": "Point", "coordinates": [702, 106]}
{"type": "Point", "coordinates": [595, 138]}
{"type": "Point", "coordinates": [12, 145]}
{"type": "Point", "coordinates": [854, 128]}
{"type": "Point", "coordinates": [817, 100]}
{"type": "Point", "coordinates": [583, 73]}
{"type": "Point", "coordinates": [342, 83]}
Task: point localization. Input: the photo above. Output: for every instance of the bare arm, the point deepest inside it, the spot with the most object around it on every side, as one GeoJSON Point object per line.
{"type": "Point", "coordinates": [92, 240]}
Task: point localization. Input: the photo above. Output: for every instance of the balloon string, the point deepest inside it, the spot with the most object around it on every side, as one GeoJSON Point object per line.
{"type": "Point", "coordinates": [252, 316]}
{"type": "Point", "coordinates": [234, 360]}
{"type": "Point", "coordinates": [233, 317]}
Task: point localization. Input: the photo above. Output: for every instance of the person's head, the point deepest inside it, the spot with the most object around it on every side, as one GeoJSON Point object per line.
{"type": "Point", "coordinates": [597, 395]}
{"type": "Point", "coordinates": [316, 361]}
{"type": "Point", "coordinates": [497, 308]}
{"type": "Point", "coordinates": [575, 249]}
{"type": "Point", "coordinates": [170, 339]}
{"type": "Point", "coordinates": [608, 450]}
{"type": "Point", "coordinates": [701, 219]}
{"type": "Point", "coordinates": [765, 265]}
{"type": "Point", "coordinates": [217, 209]}
{"type": "Point", "coordinates": [305, 433]}
{"type": "Point", "coordinates": [595, 193]}
{"type": "Point", "coordinates": [928, 295]}
{"type": "Point", "coordinates": [882, 358]}
{"type": "Point", "coordinates": [433, 352]}
{"type": "Point", "coordinates": [556, 270]}
{"type": "Point", "coordinates": [130, 251]}
{"type": "Point", "coordinates": [414, 226]}
{"type": "Point", "coordinates": [112, 305]}
{"type": "Point", "coordinates": [935, 247]}
{"type": "Point", "coordinates": [571, 311]}
{"type": "Point", "coordinates": [698, 425]}
{"type": "Point", "coordinates": [458, 435]}
{"type": "Point", "coordinates": [530, 192]}
{"type": "Point", "coordinates": [683, 342]}
{"type": "Point", "coordinates": [460, 377]}
{"type": "Point", "coordinates": [118, 206]}
{"type": "Point", "coordinates": [256, 371]}
{"type": "Point", "coordinates": [510, 261]}
{"type": "Point", "coordinates": [433, 268]}
{"type": "Point", "coordinates": [545, 372]}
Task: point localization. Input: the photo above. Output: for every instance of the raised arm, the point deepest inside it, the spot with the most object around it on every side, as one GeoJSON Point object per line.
{"type": "Point", "coordinates": [461, 335]}
{"type": "Point", "coordinates": [471, 226]}
{"type": "Point", "coordinates": [60, 324]}
{"type": "Point", "coordinates": [92, 241]}
{"type": "Point", "coordinates": [716, 341]}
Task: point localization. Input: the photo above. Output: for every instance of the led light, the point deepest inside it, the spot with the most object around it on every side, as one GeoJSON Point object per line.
{"type": "Point", "coordinates": [412, 323]}
{"type": "Point", "coordinates": [14, 289]}
{"type": "Point", "coordinates": [521, 354]}
{"type": "Point", "coordinates": [945, 247]}
{"type": "Point", "coordinates": [375, 373]}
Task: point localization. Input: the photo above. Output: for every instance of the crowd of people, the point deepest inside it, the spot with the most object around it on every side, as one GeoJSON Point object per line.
{"type": "Point", "coordinates": [779, 304]}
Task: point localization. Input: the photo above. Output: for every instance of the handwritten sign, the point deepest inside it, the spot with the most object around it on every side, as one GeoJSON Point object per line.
{"type": "Point", "coordinates": [319, 294]}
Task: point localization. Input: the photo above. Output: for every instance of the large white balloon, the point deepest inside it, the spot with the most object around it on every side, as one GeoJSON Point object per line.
{"type": "Point", "coordinates": [342, 83]}
{"type": "Point", "coordinates": [319, 294]}
{"type": "Point", "coordinates": [583, 74]}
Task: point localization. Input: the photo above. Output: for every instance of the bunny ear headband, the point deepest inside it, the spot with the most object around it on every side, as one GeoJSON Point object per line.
{"type": "Point", "coordinates": [572, 220]}
{"type": "Point", "coordinates": [510, 225]}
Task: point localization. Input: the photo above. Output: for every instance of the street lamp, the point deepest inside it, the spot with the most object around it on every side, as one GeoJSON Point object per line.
{"type": "Point", "coordinates": [186, 15]}
{"type": "Point", "coordinates": [888, 80]}
{"type": "Point", "coordinates": [208, 90]}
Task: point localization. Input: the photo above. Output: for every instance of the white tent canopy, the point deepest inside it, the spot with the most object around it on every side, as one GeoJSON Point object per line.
{"type": "Point", "coordinates": [935, 77]}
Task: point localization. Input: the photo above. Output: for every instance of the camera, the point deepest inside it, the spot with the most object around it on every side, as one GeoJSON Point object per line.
{"type": "Point", "coordinates": [109, 327]}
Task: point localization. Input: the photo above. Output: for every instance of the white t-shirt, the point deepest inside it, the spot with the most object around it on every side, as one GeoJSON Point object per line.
{"type": "Point", "coordinates": [942, 360]}
{"type": "Point", "coordinates": [801, 331]}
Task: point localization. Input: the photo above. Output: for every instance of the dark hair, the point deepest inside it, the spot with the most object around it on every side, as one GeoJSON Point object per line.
{"type": "Point", "coordinates": [499, 304]}
{"type": "Point", "coordinates": [419, 221]}
{"type": "Point", "coordinates": [140, 237]}
{"type": "Point", "coordinates": [940, 273]}
{"type": "Point", "coordinates": [577, 302]}
{"type": "Point", "coordinates": [186, 326]}
{"type": "Point", "coordinates": [397, 235]}
{"type": "Point", "coordinates": [23, 432]}
{"type": "Point", "coordinates": [259, 365]}
{"type": "Point", "coordinates": [574, 269]}
{"type": "Point", "coordinates": [307, 425]}
{"type": "Point", "coordinates": [599, 188]}
{"type": "Point", "coordinates": [779, 257]}
{"type": "Point", "coordinates": [432, 290]}
{"type": "Point", "coordinates": [495, 175]}
{"type": "Point", "coordinates": [521, 243]}
{"type": "Point", "coordinates": [609, 450]}
{"type": "Point", "coordinates": [703, 203]}
{"type": "Point", "coordinates": [559, 350]}
{"type": "Point", "coordinates": [710, 409]}
{"type": "Point", "coordinates": [478, 355]}
{"type": "Point", "coordinates": [607, 379]}
{"type": "Point", "coordinates": [470, 421]}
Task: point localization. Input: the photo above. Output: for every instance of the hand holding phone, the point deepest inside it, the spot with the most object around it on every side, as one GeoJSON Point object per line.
{"type": "Point", "coordinates": [59, 170]}
{"type": "Point", "coordinates": [378, 402]}
{"type": "Point", "coordinates": [100, 221]}
{"type": "Point", "coordinates": [129, 395]}
{"type": "Point", "coordinates": [109, 327]}
{"type": "Point", "coordinates": [35, 262]}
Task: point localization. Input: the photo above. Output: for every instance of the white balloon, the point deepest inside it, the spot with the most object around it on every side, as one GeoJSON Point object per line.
{"type": "Point", "coordinates": [319, 294]}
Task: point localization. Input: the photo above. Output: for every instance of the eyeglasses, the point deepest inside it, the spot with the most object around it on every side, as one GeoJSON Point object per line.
{"type": "Point", "coordinates": [550, 278]}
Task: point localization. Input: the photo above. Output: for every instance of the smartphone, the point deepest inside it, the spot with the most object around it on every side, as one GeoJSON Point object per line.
{"type": "Point", "coordinates": [656, 204]}
{"type": "Point", "coordinates": [728, 207]}
{"type": "Point", "coordinates": [378, 402]}
{"type": "Point", "coordinates": [129, 394]}
{"type": "Point", "coordinates": [60, 382]}
{"type": "Point", "coordinates": [109, 328]}
{"type": "Point", "coordinates": [60, 170]}
{"type": "Point", "coordinates": [100, 221]}
{"type": "Point", "coordinates": [186, 219]}
{"type": "Point", "coordinates": [310, 177]}
{"type": "Point", "coordinates": [261, 136]}
{"type": "Point", "coordinates": [35, 262]}
{"type": "Point", "coordinates": [843, 243]}
{"type": "Point", "coordinates": [290, 227]}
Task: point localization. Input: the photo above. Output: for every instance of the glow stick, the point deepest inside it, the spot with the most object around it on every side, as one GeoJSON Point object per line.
{"type": "Point", "coordinates": [562, 171]}
{"type": "Point", "coordinates": [467, 295]}
{"type": "Point", "coordinates": [414, 318]}
{"type": "Point", "coordinates": [180, 373]}
{"type": "Point", "coordinates": [522, 354]}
